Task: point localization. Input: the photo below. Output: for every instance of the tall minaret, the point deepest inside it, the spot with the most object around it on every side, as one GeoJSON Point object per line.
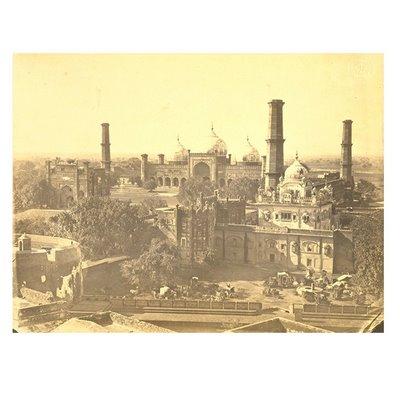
{"type": "Point", "coordinates": [105, 147]}
{"type": "Point", "coordinates": [346, 162]}
{"type": "Point", "coordinates": [274, 160]}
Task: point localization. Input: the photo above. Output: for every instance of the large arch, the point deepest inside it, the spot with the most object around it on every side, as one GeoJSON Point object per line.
{"type": "Point", "coordinates": [175, 182]}
{"type": "Point", "coordinates": [167, 181]}
{"type": "Point", "coordinates": [202, 170]}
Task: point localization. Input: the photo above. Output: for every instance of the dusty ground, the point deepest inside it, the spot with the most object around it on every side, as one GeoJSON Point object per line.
{"type": "Point", "coordinates": [248, 284]}
{"type": "Point", "coordinates": [137, 194]}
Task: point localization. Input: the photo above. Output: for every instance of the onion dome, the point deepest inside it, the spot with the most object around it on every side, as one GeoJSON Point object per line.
{"type": "Point", "coordinates": [214, 144]}
{"type": "Point", "coordinates": [181, 154]}
{"type": "Point", "coordinates": [251, 154]}
{"type": "Point", "coordinates": [296, 170]}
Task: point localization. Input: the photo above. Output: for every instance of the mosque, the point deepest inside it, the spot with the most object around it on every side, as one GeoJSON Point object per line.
{"type": "Point", "coordinates": [212, 162]}
{"type": "Point", "coordinates": [291, 225]}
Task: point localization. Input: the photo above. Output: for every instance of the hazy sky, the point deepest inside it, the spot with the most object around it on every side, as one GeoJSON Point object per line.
{"type": "Point", "coordinates": [61, 100]}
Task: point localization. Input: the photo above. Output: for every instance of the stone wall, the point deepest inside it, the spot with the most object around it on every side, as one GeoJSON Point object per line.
{"type": "Point", "coordinates": [47, 266]}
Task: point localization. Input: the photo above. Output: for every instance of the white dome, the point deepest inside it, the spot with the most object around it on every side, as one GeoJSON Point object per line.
{"type": "Point", "coordinates": [296, 170]}
{"type": "Point", "coordinates": [251, 154]}
{"type": "Point", "coordinates": [211, 144]}
{"type": "Point", "coordinates": [181, 154]}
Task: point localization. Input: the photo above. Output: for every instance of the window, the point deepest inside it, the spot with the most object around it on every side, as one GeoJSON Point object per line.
{"type": "Point", "coordinates": [285, 216]}
{"type": "Point", "coordinates": [271, 244]}
{"type": "Point", "coordinates": [183, 242]}
{"type": "Point", "coordinates": [276, 216]}
{"type": "Point", "coordinates": [272, 257]}
{"type": "Point", "coordinates": [283, 247]}
{"type": "Point", "coordinates": [309, 262]}
{"type": "Point", "coordinates": [294, 217]}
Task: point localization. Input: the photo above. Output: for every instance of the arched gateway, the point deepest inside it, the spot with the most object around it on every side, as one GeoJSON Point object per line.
{"type": "Point", "coordinates": [201, 170]}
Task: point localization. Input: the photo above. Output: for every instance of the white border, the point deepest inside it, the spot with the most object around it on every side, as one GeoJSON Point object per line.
{"type": "Point", "coordinates": [201, 366]}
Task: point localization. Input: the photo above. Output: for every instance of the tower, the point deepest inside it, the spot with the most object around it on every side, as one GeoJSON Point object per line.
{"type": "Point", "coordinates": [105, 147]}
{"type": "Point", "coordinates": [274, 160]}
{"type": "Point", "coordinates": [346, 161]}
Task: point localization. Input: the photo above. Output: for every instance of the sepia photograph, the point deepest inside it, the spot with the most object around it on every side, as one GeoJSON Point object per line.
{"type": "Point", "coordinates": [198, 193]}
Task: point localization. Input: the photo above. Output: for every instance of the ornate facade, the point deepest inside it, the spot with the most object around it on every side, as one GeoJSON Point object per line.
{"type": "Point", "coordinates": [71, 181]}
{"type": "Point", "coordinates": [290, 226]}
{"type": "Point", "coordinates": [221, 225]}
{"type": "Point", "coordinates": [210, 162]}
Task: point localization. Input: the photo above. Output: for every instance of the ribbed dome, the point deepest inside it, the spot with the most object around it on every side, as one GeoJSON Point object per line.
{"type": "Point", "coordinates": [181, 154]}
{"type": "Point", "coordinates": [296, 170]}
{"type": "Point", "coordinates": [213, 144]}
{"type": "Point", "coordinates": [251, 154]}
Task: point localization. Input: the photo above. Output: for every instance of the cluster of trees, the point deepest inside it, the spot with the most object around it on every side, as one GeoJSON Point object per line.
{"type": "Point", "coordinates": [104, 227]}
{"type": "Point", "coordinates": [30, 188]}
{"type": "Point", "coordinates": [367, 191]}
{"type": "Point", "coordinates": [368, 236]}
{"type": "Point", "coordinates": [159, 265]}
{"type": "Point", "coordinates": [241, 187]}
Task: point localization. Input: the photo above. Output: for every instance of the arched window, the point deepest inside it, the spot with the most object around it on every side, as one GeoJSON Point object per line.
{"type": "Point", "coordinates": [167, 181]}
{"type": "Point", "coordinates": [183, 242]}
{"type": "Point", "coordinates": [160, 181]}
{"type": "Point", "coordinates": [310, 247]}
{"type": "Point", "coordinates": [183, 181]}
{"type": "Point", "coordinates": [270, 243]}
{"type": "Point", "coordinates": [175, 182]}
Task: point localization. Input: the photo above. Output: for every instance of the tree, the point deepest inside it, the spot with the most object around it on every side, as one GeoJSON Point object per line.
{"type": "Point", "coordinates": [30, 188]}
{"type": "Point", "coordinates": [210, 258]}
{"type": "Point", "coordinates": [190, 191]}
{"type": "Point", "coordinates": [149, 204]}
{"type": "Point", "coordinates": [136, 179]}
{"type": "Point", "coordinates": [242, 187]}
{"type": "Point", "coordinates": [35, 226]}
{"type": "Point", "coordinates": [150, 185]}
{"type": "Point", "coordinates": [368, 252]}
{"type": "Point", "coordinates": [104, 227]}
{"type": "Point", "coordinates": [157, 266]}
{"type": "Point", "coordinates": [367, 190]}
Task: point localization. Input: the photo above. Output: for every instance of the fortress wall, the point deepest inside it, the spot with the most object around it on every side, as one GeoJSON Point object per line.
{"type": "Point", "coordinates": [43, 270]}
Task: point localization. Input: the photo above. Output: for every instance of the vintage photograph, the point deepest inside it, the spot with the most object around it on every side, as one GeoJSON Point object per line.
{"type": "Point", "coordinates": [215, 193]}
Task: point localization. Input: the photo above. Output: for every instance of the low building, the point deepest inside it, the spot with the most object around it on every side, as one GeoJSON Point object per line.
{"type": "Point", "coordinates": [47, 264]}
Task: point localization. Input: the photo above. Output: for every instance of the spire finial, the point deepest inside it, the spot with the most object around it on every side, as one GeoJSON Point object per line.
{"type": "Point", "coordinates": [297, 155]}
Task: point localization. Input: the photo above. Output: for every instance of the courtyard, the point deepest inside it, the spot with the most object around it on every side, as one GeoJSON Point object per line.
{"type": "Point", "coordinates": [137, 194]}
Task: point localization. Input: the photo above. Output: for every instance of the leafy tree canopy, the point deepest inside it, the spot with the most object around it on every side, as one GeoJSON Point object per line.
{"type": "Point", "coordinates": [157, 266]}
{"type": "Point", "coordinates": [367, 190]}
{"type": "Point", "coordinates": [242, 187]}
{"type": "Point", "coordinates": [150, 185]}
{"type": "Point", "coordinates": [104, 227]}
{"type": "Point", "coordinates": [30, 188]}
{"type": "Point", "coordinates": [368, 252]}
{"type": "Point", "coordinates": [190, 191]}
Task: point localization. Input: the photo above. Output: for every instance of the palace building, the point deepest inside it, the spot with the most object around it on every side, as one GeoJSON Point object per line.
{"type": "Point", "coordinates": [71, 181]}
{"type": "Point", "coordinates": [291, 225]}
